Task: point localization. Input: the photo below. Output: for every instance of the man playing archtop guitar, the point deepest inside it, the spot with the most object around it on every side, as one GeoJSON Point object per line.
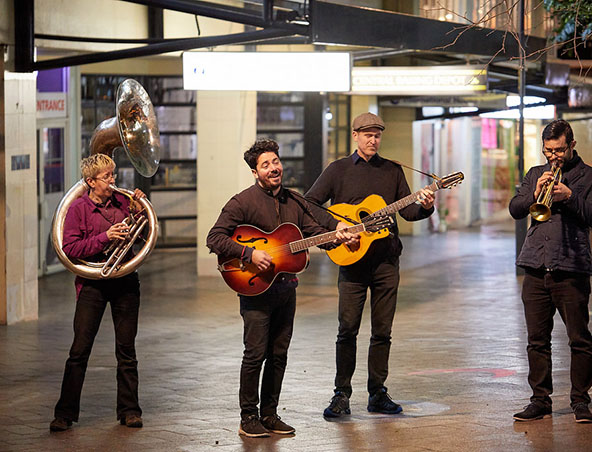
{"type": "Point", "coordinates": [268, 315]}
{"type": "Point", "coordinates": [351, 180]}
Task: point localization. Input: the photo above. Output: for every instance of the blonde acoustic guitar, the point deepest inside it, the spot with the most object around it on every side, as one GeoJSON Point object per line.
{"type": "Point", "coordinates": [372, 207]}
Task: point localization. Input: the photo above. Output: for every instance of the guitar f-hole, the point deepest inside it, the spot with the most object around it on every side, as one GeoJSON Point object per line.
{"type": "Point", "coordinates": [239, 239]}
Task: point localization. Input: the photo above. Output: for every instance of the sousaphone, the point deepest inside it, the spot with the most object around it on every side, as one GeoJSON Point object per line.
{"type": "Point", "coordinates": [136, 130]}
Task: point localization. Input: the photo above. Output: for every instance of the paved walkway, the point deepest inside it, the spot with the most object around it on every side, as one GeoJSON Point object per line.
{"type": "Point", "coordinates": [458, 363]}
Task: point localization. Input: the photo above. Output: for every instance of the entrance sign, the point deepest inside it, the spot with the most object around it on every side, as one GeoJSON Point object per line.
{"type": "Point", "coordinates": [52, 105]}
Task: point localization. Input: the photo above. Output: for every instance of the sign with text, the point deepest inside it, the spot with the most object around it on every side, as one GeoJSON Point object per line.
{"type": "Point", "coordinates": [52, 105]}
{"type": "Point", "coordinates": [419, 80]}
{"type": "Point", "coordinates": [267, 71]}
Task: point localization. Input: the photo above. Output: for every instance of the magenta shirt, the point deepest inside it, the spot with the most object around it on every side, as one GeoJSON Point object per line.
{"type": "Point", "coordinates": [86, 225]}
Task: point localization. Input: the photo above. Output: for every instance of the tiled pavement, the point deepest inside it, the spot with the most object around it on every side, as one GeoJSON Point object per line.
{"type": "Point", "coordinates": [458, 363]}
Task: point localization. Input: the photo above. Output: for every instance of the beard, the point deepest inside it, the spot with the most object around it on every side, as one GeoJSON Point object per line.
{"type": "Point", "coordinates": [269, 182]}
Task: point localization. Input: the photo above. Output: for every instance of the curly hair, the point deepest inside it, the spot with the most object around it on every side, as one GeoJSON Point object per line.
{"type": "Point", "coordinates": [93, 165]}
{"type": "Point", "coordinates": [260, 147]}
{"type": "Point", "coordinates": [556, 129]}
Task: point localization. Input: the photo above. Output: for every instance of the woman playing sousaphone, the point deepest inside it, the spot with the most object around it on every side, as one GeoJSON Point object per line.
{"type": "Point", "coordinates": [93, 222]}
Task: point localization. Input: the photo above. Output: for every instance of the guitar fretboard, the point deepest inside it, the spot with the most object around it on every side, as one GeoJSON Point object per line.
{"type": "Point", "coordinates": [403, 202]}
{"type": "Point", "coordinates": [301, 245]}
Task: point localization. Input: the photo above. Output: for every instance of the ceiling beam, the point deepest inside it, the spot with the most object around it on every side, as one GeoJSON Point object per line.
{"type": "Point", "coordinates": [351, 25]}
{"type": "Point", "coordinates": [163, 47]}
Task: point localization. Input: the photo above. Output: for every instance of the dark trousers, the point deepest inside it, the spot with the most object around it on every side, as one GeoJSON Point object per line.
{"type": "Point", "coordinates": [268, 324]}
{"type": "Point", "coordinates": [381, 275]}
{"type": "Point", "coordinates": [543, 293]}
{"type": "Point", "coordinates": [124, 296]}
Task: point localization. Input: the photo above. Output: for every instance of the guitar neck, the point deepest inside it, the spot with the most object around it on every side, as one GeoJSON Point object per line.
{"type": "Point", "coordinates": [321, 239]}
{"type": "Point", "coordinates": [403, 202]}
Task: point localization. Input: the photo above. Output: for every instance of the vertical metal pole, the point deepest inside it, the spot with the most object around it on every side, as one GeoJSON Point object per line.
{"type": "Point", "coordinates": [268, 11]}
{"type": "Point", "coordinates": [24, 35]}
{"type": "Point", "coordinates": [521, 224]}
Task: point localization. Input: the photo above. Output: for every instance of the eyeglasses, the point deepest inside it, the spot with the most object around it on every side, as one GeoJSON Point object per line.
{"type": "Point", "coordinates": [107, 178]}
{"type": "Point", "coordinates": [558, 152]}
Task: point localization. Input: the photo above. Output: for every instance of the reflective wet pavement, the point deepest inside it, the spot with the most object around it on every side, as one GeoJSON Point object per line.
{"type": "Point", "coordinates": [458, 363]}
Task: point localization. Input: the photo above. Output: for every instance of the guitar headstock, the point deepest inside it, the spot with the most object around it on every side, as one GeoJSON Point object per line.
{"type": "Point", "coordinates": [450, 180]}
{"type": "Point", "coordinates": [375, 224]}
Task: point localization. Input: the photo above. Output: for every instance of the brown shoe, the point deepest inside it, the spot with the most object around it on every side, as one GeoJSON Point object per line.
{"type": "Point", "coordinates": [251, 426]}
{"type": "Point", "coordinates": [275, 424]}
{"type": "Point", "coordinates": [59, 424]}
{"type": "Point", "coordinates": [131, 420]}
{"type": "Point", "coordinates": [582, 412]}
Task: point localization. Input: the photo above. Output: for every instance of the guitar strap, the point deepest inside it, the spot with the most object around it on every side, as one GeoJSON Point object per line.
{"type": "Point", "coordinates": [433, 176]}
{"type": "Point", "coordinates": [292, 192]}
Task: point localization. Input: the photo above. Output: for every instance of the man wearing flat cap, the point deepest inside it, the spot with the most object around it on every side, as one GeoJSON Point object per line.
{"type": "Point", "coordinates": [350, 180]}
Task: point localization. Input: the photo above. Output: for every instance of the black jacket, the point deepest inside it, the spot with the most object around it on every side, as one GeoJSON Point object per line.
{"type": "Point", "coordinates": [562, 242]}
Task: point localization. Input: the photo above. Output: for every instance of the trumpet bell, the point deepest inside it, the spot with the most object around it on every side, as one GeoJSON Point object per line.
{"type": "Point", "coordinates": [540, 211]}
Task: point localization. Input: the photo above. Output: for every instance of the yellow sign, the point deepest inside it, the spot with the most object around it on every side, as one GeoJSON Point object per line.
{"type": "Point", "coordinates": [415, 81]}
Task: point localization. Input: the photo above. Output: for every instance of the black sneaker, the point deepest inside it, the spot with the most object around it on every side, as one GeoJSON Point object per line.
{"type": "Point", "coordinates": [582, 412]}
{"type": "Point", "coordinates": [338, 407]}
{"type": "Point", "coordinates": [381, 402]}
{"type": "Point", "coordinates": [533, 411]}
{"type": "Point", "coordinates": [59, 424]}
{"type": "Point", "coordinates": [251, 426]}
{"type": "Point", "coordinates": [275, 424]}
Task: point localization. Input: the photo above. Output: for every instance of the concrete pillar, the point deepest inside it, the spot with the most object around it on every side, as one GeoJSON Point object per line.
{"type": "Point", "coordinates": [226, 128]}
{"type": "Point", "coordinates": [397, 144]}
{"type": "Point", "coordinates": [18, 199]}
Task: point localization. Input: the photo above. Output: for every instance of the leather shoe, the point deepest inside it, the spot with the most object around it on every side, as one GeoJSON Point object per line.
{"type": "Point", "coordinates": [59, 424]}
{"type": "Point", "coordinates": [582, 412]}
{"type": "Point", "coordinates": [131, 420]}
{"type": "Point", "coordinates": [533, 411]}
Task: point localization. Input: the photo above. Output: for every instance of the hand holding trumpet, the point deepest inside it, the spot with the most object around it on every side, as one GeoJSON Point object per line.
{"type": "Point", "coordinates": [560, 191]}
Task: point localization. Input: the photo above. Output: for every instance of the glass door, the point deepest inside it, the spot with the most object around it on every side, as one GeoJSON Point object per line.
{"type": "Point", "coordinates": [51, 138]}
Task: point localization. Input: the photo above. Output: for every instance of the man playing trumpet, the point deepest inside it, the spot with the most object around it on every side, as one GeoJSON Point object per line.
{"type": "Point", "coordinates": [557, 262]}
{"type": "Point", "coordinates": [93, 221]}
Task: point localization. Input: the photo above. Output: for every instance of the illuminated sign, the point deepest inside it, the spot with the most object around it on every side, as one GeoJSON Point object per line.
{"type": "Point", "coordinates": [267, 71]}
{"type": "Point", "coordinates": [52, 105]}
{"type": "Point", "coordinates": [418, 80]}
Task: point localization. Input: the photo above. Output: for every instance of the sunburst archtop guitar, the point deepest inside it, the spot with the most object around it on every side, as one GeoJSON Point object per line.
{"type": "Point", "coordinates": [374, 206]}
{"type": "Point", "coordinates": [287, 248]}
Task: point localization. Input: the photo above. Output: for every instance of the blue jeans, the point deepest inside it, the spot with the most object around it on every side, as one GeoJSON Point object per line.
{"type": "Point", "coordinates": [124, 296]}
{"type": "Point", "coordinates": [544, 293]}
{"type": "Point", "coordinates": [380, 274]}
{"type": "Point", "coordinates": [268, 324]}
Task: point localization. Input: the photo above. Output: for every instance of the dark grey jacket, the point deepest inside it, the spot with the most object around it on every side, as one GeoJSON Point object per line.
{"type": "Point", "coordinates": [562, 242]}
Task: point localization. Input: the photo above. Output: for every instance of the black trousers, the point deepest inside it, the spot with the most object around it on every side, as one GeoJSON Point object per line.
{"type": "Point", "coordinates": [380, 274]}
{"type": "Point", "coordinates": [544, 293]}
{"type": "Point", "coordinates": [268, 323]}
{"type": "Point", "coordinates": [124, 296]}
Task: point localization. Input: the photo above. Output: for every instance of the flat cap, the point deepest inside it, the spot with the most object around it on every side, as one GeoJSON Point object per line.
{"type": "Point", "coordinates": [367, 121]}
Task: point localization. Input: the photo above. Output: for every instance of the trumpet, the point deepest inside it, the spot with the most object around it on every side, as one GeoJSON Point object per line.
{"type": "Point", "coordinates": [541, 209]}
